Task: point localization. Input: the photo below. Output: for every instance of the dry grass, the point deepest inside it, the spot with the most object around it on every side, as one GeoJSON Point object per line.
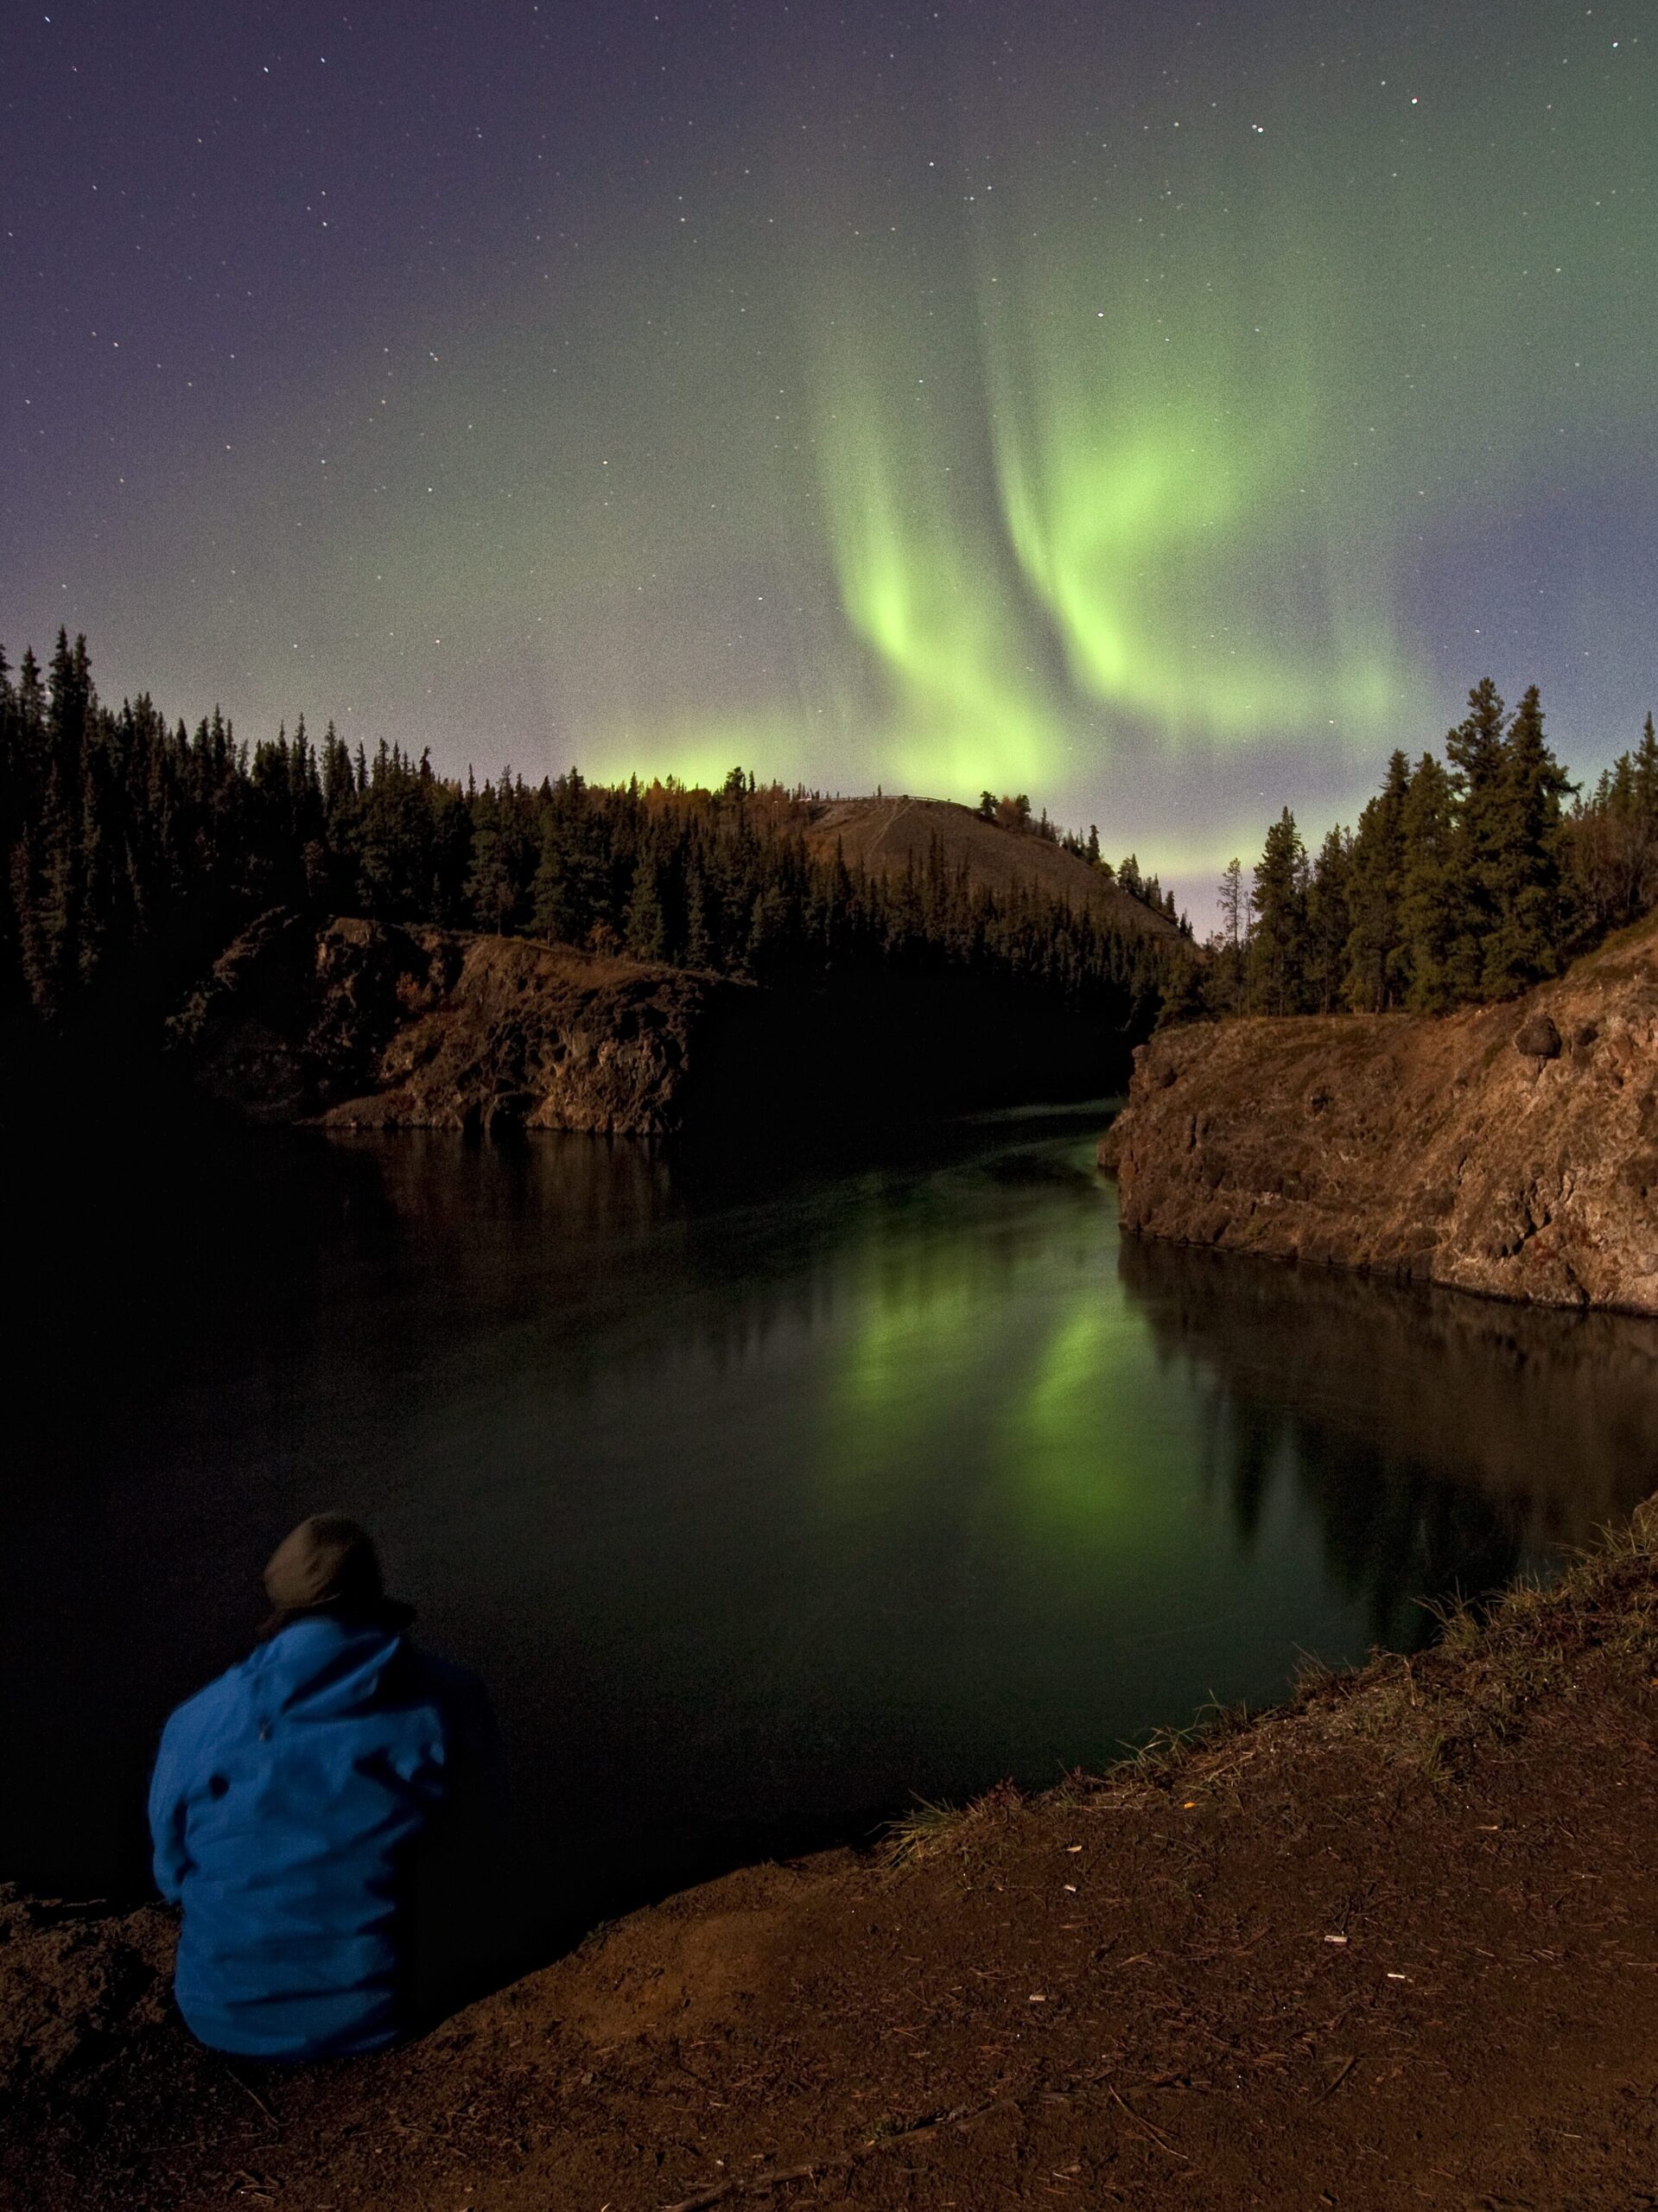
{"type": "Point", "coordinates": [931, 1827]}
{"type": "Point", "coordinates": [1491, 1660]}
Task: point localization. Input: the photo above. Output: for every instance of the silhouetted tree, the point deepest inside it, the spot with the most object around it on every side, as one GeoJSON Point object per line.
{"type": "Point", "coordinates": [1375, 870]}
{"type": "Point", "coordinates": [1274, 966]}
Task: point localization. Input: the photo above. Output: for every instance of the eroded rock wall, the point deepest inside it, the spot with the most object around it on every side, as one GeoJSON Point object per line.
{"type": "Point", "coordinates": [1509, 1149]}
{"type": "Point", "coordinates": [374, 1024]}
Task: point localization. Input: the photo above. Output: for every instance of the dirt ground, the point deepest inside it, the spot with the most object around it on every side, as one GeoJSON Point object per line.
{"type": "Point", "coordinates": [1394, 1945]}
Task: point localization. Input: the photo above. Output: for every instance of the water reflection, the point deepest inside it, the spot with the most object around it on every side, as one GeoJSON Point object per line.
{"type": "Point", "coordinates": [1408, 1413]}
{"type": "Point", "coordinates": [768, 1491]}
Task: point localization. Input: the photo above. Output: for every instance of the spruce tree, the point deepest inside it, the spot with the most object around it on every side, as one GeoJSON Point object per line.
{"type": "Point", "coordinates": [644, 930]}
{"type": "Point", "coordinates": [490, 891]}
{"type": "Point", "coordinates": [1228, 944]}
{"type": "Point", "coordinates": [1427, 913]}
{"type": "Point", "coordinates": [1523, 942]}
{"type": "Point", "coordinates": [1329, 922]}
{"type": "Point", "coordinates": [1275, 966]}
{"type": "Point", "coordinates": [1372, 944]}
{"type": "Point", "coordinates": [1476, 751]}
{"type": "Point", "coordinates": [1643, 779]}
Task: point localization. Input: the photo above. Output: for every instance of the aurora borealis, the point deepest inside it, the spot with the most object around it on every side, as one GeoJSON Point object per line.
{"type": "Point", "coordinates": [1163, 411]}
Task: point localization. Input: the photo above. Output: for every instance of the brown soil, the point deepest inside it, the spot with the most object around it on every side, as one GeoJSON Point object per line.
{"type": "Point", "coordinates": [1508, 1149]}
{"type": "Point", "coordinates": [1396, 1944]}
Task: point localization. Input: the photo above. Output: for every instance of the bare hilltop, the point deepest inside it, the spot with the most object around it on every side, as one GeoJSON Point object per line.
{"type": "Point", "coordinates": [888, 836]}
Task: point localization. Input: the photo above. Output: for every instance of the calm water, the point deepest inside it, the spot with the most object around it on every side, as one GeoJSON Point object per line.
{"type": "Point", "coordinates": [769, 1497]}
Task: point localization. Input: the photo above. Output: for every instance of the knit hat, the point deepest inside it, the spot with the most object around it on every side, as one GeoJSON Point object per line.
{"type": "Point", "coordinates": [327, 1564]}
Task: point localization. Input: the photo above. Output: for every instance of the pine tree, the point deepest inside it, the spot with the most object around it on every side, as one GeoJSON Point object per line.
{"type": "Point", "coordinates": [1644, 778]}
{"type": "Point", "coordinates": [490, 891]}
{"type": "Point", "coordinates": [644, 925]}
{"type": "Point", "coordinates": [1330, 922]}
{"type": "Point", "coordinates": [1229, 942]}
{"type": "Point", "coordinates": [1373, 945]}
{"type": "Point", "coordinates": [1476, 751]}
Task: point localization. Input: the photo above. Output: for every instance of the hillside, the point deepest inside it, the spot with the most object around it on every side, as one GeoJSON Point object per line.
{"type": "Point", "coordinates": [886, 836]}
{"type": "Point", "coordinates": [1509, 1149]}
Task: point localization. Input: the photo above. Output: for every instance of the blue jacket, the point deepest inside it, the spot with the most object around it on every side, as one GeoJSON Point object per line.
{"type": "Point", "coordinates": [292, 1801]}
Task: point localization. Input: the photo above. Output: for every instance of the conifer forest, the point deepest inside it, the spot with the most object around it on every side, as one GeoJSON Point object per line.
{"type": "Point", "coordinates": [1468, 878]}
{"type": "Point", "coordinates": [136, 850]}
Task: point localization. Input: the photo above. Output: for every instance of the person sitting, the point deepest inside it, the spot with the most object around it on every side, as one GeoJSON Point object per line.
{"type": "Point", "coordinates": [320, 1812]}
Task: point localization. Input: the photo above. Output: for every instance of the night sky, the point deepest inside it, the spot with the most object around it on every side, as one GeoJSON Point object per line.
{"type": "Point", "coordinates": [1164, 410]}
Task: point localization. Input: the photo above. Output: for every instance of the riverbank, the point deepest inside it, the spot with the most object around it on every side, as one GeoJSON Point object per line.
{"type": "Point", "coordinates": [1396, 1943]}
{"type": "Point", "coordinates": [352, 1024]}
{"type": "Point", "coordinates": [1508, 1149]}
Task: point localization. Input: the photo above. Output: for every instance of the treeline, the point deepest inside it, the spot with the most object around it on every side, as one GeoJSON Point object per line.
{"type": "Point", "coordinates": [1469, 877]}
{"type": "Point", "coordinates": [136, 850]}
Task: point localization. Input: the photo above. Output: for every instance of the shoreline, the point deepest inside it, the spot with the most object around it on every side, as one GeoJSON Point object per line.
{"type": "Point", "coordinates": [1398, 1933]}
{"type": "Point", "coordinates": [1509, 1149]}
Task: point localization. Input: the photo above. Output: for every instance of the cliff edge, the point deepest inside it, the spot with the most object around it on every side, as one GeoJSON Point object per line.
{"type": "Point", "coordinates": [1509, 1149]}
{"type": "Point", "coordinates": [379, 1025]}
{"type": "Point", "coordinates": [365, 1025]}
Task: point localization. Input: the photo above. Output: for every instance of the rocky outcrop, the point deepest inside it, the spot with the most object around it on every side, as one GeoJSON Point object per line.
{"type": "Point", "coordinates": [374, 1024]}
{"type": "Point", "coordinates": [1508, 1149]}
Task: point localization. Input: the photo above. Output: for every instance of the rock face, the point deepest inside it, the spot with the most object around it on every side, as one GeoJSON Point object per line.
{"type": "Point", "coordinates": [1509, 1149]}
{"type": "Point", "coordinates": [374, 1024]}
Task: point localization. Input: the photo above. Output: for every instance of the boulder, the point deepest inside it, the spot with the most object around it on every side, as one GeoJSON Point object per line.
{"type": "Point", "coordinates": [1537, 1038]}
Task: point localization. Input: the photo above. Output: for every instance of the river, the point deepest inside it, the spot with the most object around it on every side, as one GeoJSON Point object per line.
{"type": "Point", "coordinates": [771, 1493]}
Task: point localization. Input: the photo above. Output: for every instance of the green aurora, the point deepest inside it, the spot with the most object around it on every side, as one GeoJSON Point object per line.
{"type": "Point", "coordinates": [1136, 474]}
{"type": "Point", "coordinates": [1163, 419]}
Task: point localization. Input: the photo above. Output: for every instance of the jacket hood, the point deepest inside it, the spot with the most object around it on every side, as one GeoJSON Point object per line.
{"type": "Point", "coordinates": [320, 1666]}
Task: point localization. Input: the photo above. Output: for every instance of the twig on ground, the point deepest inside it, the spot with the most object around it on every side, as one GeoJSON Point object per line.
{"type": "Point", "coordinates": [1156, 2136]}
{"type": "Point", "coordinates": [248, 2090]}
{"type": "Point", "coordinates": [1331, 2088]}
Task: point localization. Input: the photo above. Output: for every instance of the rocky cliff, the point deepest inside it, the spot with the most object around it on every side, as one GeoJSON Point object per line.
{"type": "Point", "coordinates": [373, 1025]}
{"type": "Point", "coordinates": [1509, 1149]}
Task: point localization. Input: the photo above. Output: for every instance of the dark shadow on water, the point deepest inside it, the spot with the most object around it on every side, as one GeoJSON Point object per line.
{"type": "Point", "coordinates": [1438, 1438]}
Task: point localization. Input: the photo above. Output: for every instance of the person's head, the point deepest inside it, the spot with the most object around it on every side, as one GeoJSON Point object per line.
{"type": "Point", "coordinates": [328, 1565]}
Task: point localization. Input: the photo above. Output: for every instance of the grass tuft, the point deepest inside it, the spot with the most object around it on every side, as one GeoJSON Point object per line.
{"type": "Point", "coordinates": [931, 1827]}
{"type": "Point", "coordinates": [1460, 1626]}
{"type": "Point", "coordinates": [926, 1829]}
